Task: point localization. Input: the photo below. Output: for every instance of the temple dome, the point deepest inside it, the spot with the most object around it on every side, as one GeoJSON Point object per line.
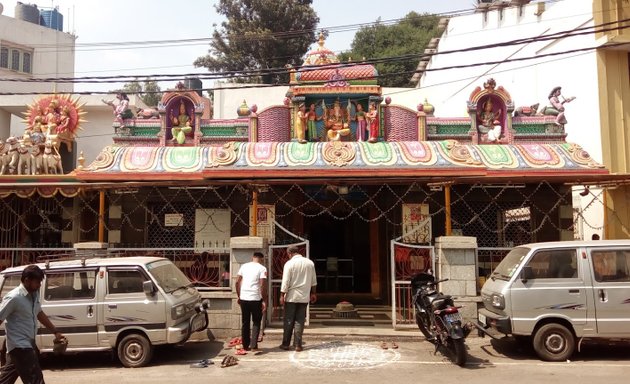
{"type": "Point", "coordinates": [331, 69]}
{"type": "Point", "coordinates": [321, 55]}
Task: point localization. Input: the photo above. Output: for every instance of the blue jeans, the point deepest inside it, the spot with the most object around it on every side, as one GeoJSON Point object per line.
{"type": "Point", "coordinates": [250, 310]}
{"type": "Point", "coordinates": [294, 318]}
{"type": "Point", "coordinates": [22, 362]}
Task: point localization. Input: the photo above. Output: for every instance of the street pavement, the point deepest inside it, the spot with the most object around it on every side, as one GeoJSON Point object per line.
{"type": "Point", "coordinates": [349, 357]}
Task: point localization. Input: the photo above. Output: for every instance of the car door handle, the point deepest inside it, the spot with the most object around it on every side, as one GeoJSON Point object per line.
{"type": "Point", "coordinates": [90, 311]}
{"type": "Point", "coordinates": [574, 291]}
{"type": "Point", "coordinates": [602, 296]}
{"type": "Point", "coordinates": [112, 306]}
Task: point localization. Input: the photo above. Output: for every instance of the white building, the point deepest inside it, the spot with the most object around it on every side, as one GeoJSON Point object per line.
{"type": "Point", "coordinates": [529, 81]}
{"type": "Point", "coordinates": [31, 51]}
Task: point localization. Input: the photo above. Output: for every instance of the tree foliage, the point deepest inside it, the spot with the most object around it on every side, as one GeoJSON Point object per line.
{"type": "Point", "coordinates": [149, 91]}
{"type": "Point", "coordinates": [259, 35]}
{"type": "Point", "coordinates": [407, 37]}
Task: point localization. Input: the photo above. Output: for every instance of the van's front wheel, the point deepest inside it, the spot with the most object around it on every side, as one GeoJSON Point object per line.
{"type": "Point", "coordinates": [554, 342]}
{"type": "Point", "coordinates": [135, 351]}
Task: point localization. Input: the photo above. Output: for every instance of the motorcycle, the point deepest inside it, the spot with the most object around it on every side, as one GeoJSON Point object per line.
{"type": "Point", "coordinates": [438, 318]}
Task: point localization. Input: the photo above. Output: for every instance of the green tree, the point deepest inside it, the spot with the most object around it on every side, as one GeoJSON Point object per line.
{"type": "Point", "coordinates": [410, 36]}
{"type": "Point", "coordinates": [259, 35]}
{"type": "Point", "coordinates": [149, 91]}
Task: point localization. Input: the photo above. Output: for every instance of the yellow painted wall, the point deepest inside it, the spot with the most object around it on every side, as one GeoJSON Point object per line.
{"type": "Point", "coordinates": [613, 72]}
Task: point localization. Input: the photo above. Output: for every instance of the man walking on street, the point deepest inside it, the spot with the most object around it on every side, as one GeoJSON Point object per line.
{"type": "Point", "coordinates": [22, 309]}
{"type": "Point", "coordinates": [251, 288]}
{"type": "Point", "coordinates": [297, 290]}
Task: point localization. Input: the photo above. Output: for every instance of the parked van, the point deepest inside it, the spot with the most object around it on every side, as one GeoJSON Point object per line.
{"type": "Point", "coordinates": [128, 304]}
{"type": "Point", "coordinates": [560, 293]}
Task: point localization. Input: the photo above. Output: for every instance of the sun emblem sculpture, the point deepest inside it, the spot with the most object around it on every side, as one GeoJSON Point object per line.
{"type": "Point", "coordinates": [50, 121]}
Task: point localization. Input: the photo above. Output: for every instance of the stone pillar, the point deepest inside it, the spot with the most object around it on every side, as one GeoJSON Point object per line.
{"type": "Point", "coordinates": [457, 261]}
{"type": "Point", "coordinates": [224, 315]}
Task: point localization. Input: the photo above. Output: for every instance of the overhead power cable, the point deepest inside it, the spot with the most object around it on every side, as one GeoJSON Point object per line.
{"type": "Point", "coordinates": [350, 79]}
{"type": "Point", "coordinates": [280, 71]}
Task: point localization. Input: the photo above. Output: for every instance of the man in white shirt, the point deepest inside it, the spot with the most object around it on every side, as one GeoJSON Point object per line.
{"type": "Point", "coordinates": [297, 290]}
{"type": "Point", "coordinates": [251, 288]}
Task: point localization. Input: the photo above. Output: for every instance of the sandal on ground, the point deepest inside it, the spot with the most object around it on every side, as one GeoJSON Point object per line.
{"type": "Point", "coordinates": [241, 351]}
{"type": "Point", "coordinates": [394, 345]}
{"type": "Point", "coordinates": [229, 361]}
{"type": "Point", "coordinates": [383, 345]}
{"type": "Point", "coordinates": [235, 341]}
{"type": "Point", "coordinates": [201, 364]}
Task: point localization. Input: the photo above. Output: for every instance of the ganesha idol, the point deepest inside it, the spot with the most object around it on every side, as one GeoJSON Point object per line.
{"type": "Point", "coordinates": [336, 122]}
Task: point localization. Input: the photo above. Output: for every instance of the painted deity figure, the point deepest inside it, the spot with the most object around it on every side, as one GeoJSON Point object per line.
{"type": "Point", "coordinates": [311, 123]}
{"type": "Point", "coordinates": [121, 109]}
{"type": "Point", "coordinates": [52, 117]}
{"type": "Point", "coordinates": [360, 117]}
{"type": "Point", "coordinates": [490, 121]}
{"type": "Point", "coordinates": [557, 106]}
{"type": "Point", "coordinates": [300, 124]}
{"type": "Point", "coordinates": [181, 125]}
{"type": "Point", "coordinates": [372, 119]}
{"type": "Point", "coordinates": [64, 120]}
{"type": "Point", "coordinates": [336, 123]}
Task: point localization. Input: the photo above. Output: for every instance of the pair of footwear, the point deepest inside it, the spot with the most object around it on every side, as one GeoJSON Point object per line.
{"type": "Point", "coordinates": [229, 361]}
{"type": "Point", "coordinates": [235, 341]}
{"type": "Point", "coordinates": [384, 345]}
{"type": "Point", "coordinates": [201, 364]}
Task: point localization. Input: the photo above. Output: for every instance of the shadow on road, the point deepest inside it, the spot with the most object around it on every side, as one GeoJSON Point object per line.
{"type": "Point", "coordinates": [163, 355]}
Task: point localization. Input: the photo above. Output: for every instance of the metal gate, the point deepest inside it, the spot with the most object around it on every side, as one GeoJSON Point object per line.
{"type": "Point", "coordinates": [406, 261]}
{"type": "Point", "coordinates": [275, 263]}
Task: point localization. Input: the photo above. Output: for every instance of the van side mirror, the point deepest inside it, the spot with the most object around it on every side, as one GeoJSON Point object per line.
{"type": "Point", "coordinates": [148, 288]}
{"type": "Point", "coordinates": [527, 273]}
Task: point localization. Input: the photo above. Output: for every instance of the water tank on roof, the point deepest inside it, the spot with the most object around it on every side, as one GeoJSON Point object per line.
{"type": "Point", "coordinates": [52, 18]}
{"type": "Point", "coordinates": [194, 83]}
{"type": "Point", "coordinates": [27, 12]}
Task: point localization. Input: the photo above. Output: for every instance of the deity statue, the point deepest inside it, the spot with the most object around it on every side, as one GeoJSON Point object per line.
{"type": "Point", "coordinates": [300, 123]}
{"type": "Point", "coordinates": [121, 110]}
{"type": "Point", "coordinates": [52, 116]}
{"type": "Point", "coordinates": [490, 121]}
{"type": "Point", "coordinates": [372, 119]}
{"type": "Point", "coordinates": [557, 106]}
{"type": "Point", "coordinates": [311, 123]}
{"type": "Point", "coordinates": [64, 120]}
{"type": "Point", "coordinates": [336, 122]}
{"type": "Point", "coordinates": [360, 117]}
{"type": "Point", "coordinates": [181, 125]}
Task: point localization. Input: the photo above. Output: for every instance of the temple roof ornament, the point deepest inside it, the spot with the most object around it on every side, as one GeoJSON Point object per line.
{"type": "Point", "coordinates": [321, 55]}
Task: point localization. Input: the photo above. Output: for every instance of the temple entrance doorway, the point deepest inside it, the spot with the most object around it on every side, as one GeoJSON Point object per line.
{"type": "Point", "coordinates": [340, 250]}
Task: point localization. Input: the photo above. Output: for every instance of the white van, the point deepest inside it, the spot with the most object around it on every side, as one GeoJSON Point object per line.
{"type": "Point", "coordinates": [560, 293]}
{"type": "Point", "coordinates": [128, 304]}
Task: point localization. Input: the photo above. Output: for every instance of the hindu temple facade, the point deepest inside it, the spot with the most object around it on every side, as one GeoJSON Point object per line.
{"type": "Point", "coordinates": [370, 190]}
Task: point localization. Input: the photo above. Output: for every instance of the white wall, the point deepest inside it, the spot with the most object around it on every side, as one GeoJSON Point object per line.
{"type": "Point", "coordinates": [529, 81]}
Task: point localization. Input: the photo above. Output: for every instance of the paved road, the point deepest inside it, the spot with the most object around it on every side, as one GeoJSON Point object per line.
{"type": "Point", "coordinates": [349, 359]}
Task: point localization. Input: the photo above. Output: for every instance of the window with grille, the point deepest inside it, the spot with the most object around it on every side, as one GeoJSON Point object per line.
{"type": "Point", "coordinates": [15, 60]}
{"type": "Point", "coordinates": [26, 62]}
{"type": "Point", "coordinates": [4, 57]}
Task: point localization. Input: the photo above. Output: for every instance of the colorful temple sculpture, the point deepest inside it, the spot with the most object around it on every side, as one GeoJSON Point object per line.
{"type": "Point", "coordinates": [365, 186]}
{"type": "Point", "coordinates": [50, 122]}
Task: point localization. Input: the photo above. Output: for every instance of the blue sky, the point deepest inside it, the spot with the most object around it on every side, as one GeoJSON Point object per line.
{"type": "Point", "coordinates": [97, 21]}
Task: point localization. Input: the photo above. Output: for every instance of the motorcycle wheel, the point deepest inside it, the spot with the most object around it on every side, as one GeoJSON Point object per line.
{"type": "Point", "coordinates": [422, 319]}
{"type": "Point", "coordinates": [458, 348]}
